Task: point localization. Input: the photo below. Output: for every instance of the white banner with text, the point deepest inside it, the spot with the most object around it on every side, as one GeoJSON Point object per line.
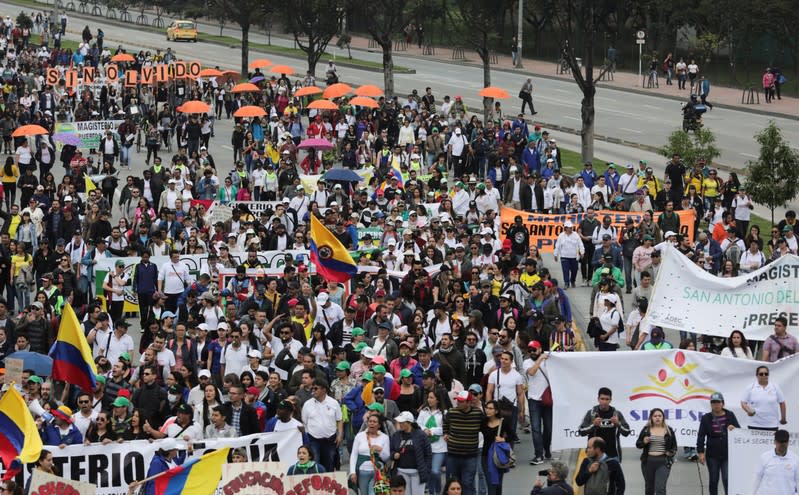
{"type": "Point", "coordinates": [746, 447]}
{"type": "Point", "coordinates": [679, 382]}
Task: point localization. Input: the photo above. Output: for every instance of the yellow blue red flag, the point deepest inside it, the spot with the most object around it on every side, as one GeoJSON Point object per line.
{"type": "Point", "coordinates": [72, 356]}
{"type": "Point", "coordinates": [20, 437]}
{"type": "Point", "coordinates": [196, 477]}
{"type": "Point", "coordinates": [333, 261]}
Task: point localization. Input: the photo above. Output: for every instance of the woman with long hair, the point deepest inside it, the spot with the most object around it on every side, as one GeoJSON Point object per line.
{"type": "Point", "coordinates": [737, 346]}
{"type": "Point", "coordinates": [659, 447]}
{"type": "Point", "coordinates": [21, 263]}
{"type": "Point", "coordinates": [494, 429]}
{"type": "Point", "coordinates": [431, 421]}
{"type": "Point", "coordinates": [211, 399]}
{"type": "Point", "coordinates": [100, 431]}
{"type": "Point", "coordinates": [319, 345]}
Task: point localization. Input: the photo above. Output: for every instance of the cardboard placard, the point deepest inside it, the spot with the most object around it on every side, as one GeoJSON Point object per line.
{"type": "Point", "coordinates": [52, 77]}
{"type": "Point", "coordinates": [13, 370]}
{"type": "Point", "coordinates": [111, 73]}
{"type": "Point", "coordinates": [45, 484]}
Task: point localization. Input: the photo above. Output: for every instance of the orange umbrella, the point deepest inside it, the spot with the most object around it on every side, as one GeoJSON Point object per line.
{"type": "Point", "coordinates": [364, 101]}
{"type": "Point", "coordinates": [211, 73]}
{"type": "Point", "coordinates": [260, 63]}
{"type": "Point", "coordinates": [323, 105]}
{"type": "Point", "coordinates": [493, 92]}
{"type": "Point", "coordinates": [249, 111]}
{"type": "Point", "coordinates": [369, 90]}
{"type": "Point", "coordinates": [282, 69]}
{"type": "Point", "coordinates": [29, 130]}
{"type": "Point", "coordinates": [245, 88]}
{"type": "Point", "coordinates": [123, 57]}
{"type": "Point", "coordinates": [194, 106]}
{"type": "Point", "coordinates": [230, 73]}
{"type": "Point", "coordinates": [336, 90]}
{"type": "Point", "coordinates": [308, 90]}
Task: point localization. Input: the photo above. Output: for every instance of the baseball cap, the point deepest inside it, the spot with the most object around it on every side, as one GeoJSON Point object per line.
{"type": "Point", "coordinates": [374, 406]}
{"type": "Point", "coordinates": [252, 390]}
{"type": "Point", "coordinates": [716, 397]}
{"type": "Point", "coordinates": [343, 366]}
{"type": "Point", "coordinates": [405, 373]}
{"type": "Point", "coordinates": [121, 402]}
{"type": "Point", "coordinates": [463, 396]}
{"type": "Point", "coordinates": [254, 353]}
{"type": "Point", "coordinates": [404, 417]}
{"type": "Point", "coordinates": [534, 344]}
{"type": "Point", "coordinates": [379, 369]}
{"type": "Point", "coordinates": [475, 388]}
{"type": "Point", "coordinates": [204, 373]}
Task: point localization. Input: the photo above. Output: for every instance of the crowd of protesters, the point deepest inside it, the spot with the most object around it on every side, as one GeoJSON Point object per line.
{"type": "Point", "coordinates": [427, 363]}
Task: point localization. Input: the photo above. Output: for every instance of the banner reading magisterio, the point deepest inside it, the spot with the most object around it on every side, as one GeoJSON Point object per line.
{"type": "Point", "coordinates": [679, 382]}
{"type": "Point", "coordinates": [544, 228]}
{"type": "Point", "coordinates": [114, 466]}
{"type": "Point", "coordinates": [689, 299]}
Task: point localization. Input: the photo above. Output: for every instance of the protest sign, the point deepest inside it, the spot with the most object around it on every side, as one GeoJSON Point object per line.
{"type": "Point", "coordinates": [253, 478]}
{"type": "Point", "coordinates": [745, 449]}
{"type": "Point", "coordinates": [544, 228]}
{"type": "Point", "coordinates": [334, 483]}
{"type": "Point", "coordinates": [114, 466]}
{"type": "Point", "coordinates": [90, 132]}
{"type": "Point", "coordinates": [49, 484]}
{"type": "Point", "coordinates": [13, 370]}
{"type": "Point", "coordinates": [679, 382]}
{"type": "Point", "coordinates": [690, 299]}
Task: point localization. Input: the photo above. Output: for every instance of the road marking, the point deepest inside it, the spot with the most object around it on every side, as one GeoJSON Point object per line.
{"type": "Point", "coordinates": [635, 131]}
{"type": "Point", "coordinates": [653, 107]}
{"type": "Point", "coordinates": [749, 155]}
{"type": "Point", "coordinates": [570, 117]}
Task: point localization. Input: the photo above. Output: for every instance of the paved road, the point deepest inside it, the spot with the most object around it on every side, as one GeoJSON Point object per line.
{"type": "Point", "coordinates": [560, 102]}
{"type": "Point", "coordinates": [629, 116]}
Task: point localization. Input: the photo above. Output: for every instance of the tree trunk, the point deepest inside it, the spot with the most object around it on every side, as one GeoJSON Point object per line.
{"type": "Point", "coordinates": [388, 69]}
{"type": "Point", "coordinates": [587, 132]}
{"type": "Point", "coordinates": [245, 47]}
{"type": "Point", "coordinates": [484, 56]}
{"type": "Point", "coordinates": [312, 58]}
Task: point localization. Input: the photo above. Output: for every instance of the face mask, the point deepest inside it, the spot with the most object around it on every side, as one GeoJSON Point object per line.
{"type": "Point", "coordinates": [172, 398]}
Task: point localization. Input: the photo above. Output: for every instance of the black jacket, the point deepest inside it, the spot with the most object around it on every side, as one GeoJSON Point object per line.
{"type": "Point", "coordinates": [671, 443]}
{"type": "Point", "coordinates": [421, 450]}
{"type": "Point", "coordinates": [248, 421]}
{"type": "Point", "coordinates": [714, 445]}
{"type": "Point", "coordinates": [151, 401]}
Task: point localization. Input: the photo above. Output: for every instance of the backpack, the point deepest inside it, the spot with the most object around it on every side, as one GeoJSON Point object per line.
{"type": "Point", "coordinates": [597, 483]}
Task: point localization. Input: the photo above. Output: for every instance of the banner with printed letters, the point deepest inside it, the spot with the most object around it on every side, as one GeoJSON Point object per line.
{"type": "Point", "coordinates": [679, 382]}
{"type": "Point", "coordinates": [746, 447]}
{"type": "Point", "coordinates": [689, 299]}
{"type": "Point", "coordinates": [114, 466]}
{"type": "Point", "coordinates": [544, 228]}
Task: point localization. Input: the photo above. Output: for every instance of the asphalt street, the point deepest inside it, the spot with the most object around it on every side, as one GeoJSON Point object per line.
{"type": "Point", "coordinates": [630, 116]}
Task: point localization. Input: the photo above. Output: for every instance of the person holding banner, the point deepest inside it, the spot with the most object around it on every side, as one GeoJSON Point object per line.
{"type": "Point", "coordinates": [711, 441]}
{"type": "Point", "coordinates": [764, 403]}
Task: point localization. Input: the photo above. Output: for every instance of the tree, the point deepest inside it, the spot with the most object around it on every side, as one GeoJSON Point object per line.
{"type": "Point", "coordinates": [245, 13]}
{"type": "Point", "coordinates": [476, 27]}
{"type": "Point", "coordinates": [771, 179]}
{"type": "Point", "coordinates": [387, 18]}
{"type": "Point", "coordinates": [577, 22]}
{"type": "Point", "coordinates": [313, 24]}
{"type": "Point", "coordinates": [692, 147]}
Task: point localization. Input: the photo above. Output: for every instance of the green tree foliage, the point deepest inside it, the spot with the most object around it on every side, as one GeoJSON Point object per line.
{"type": "Point", "coordinates": [692, 146]}
{"type": "Point", "coordinates": [23, 21]}
{"type": "Point", "coordinates": [771, 179]}
{"type": "Point", "coordinates": [313, 24]}
{"type": "Point", "coordinates": [245, 13]}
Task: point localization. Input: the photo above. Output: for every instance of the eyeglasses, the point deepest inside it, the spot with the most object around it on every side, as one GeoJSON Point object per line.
{"type": "Point", "coordinates": [762, 374]}
{"type": "Point", "coordinates": [87, 402]}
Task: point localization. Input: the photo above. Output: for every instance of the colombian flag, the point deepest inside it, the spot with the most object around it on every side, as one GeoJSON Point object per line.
{"type": "Point", "coordinates": [398, 174]}
{"type": "Point", "coordinates": [72, 356]}
{"type": "Point", "coordinates": [197, 476]}
{"type": "Point", "coordinates": [333, 261]}
{"type": "Point", "coordinates": [88, 183]}
{"type": "Point", "coordinates": [20, 438]}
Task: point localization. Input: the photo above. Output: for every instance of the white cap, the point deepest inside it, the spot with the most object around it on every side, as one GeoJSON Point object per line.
{"type": "Point", "coordinates": [669, 234]}
{"type": "Point", "coordinates": [322, 298]}
{"type": "Point", "coordinates": [368, 352]}
{"type": "Point", "coordinates": [333, 203]}
{"type": "Point", "coordinates": [254, 353]}
{"type": "Point", "coordinates": [486, 230]}
{"type": "Point", "coordinates": [513, 169]}
{"type": "Point", "coordinates": [203, 326]}
{"type": "Point", "coordinates": [404, 417]}
{"type": "Point", "coordinates": [67, 198]}
{"type": "Point", "coordinates": [391, 242]}
{"type": "Point", "coordinates": [204, 373]}
{"type": "Point", "coordinates": [611, 297]}
{"type": "Point", "coordinates": [223, 325]}
{"type": "Point", "coordinates": [168, 443]}
{"type": "Point", "coordinates": [568, 224]}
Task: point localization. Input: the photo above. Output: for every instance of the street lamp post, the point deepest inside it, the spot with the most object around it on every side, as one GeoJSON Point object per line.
{"type": "Point", "coordinates": [519, 35]}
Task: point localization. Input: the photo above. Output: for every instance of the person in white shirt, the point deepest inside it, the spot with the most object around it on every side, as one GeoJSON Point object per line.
{"type": "Point", "coordinates": [569, 248]}
{"type": "Point", "coordinates": [460, 201]}
{"type": "Point", "coordinates": [118, 343]}
{"type": "Point", "coordinates": [173, 278]}
{"type": "Point", "coordinates": [742, 206]}
{"type": "Point", "coordinates": [322, 418]}
{"type": "Point", "coordinates": [508, 383]}
{"type": "Point", "coordinates": [610, 319]}
{"type": "Point", "coordinates": [778, 473]}
{"type": "Point", "coordinates": [764, 403]}
{"type": "Point", "coordinates": [85, 415]}
{"type": "Point", "coordinates": [751, 259]}
{"type": "Point", "coordinates": [234, 355]}
{"type": "Point", "coordinates": [540, 414]}
{"type": "Point", "coordinates": [325, 312]}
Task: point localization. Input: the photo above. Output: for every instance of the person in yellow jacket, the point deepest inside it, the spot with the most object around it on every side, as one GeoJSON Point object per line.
{"type": "Point", "coordinates": [9, 175]}
{"type": "Point", "coordinates": [711, 188]}
{"type": "Point", "coordinates": [650, 181]}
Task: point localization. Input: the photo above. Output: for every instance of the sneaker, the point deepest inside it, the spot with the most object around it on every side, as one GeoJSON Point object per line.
{"type": "Point", "coordinates": [535, 461]}
{"type": "Point", "coordinates": [548, 455]}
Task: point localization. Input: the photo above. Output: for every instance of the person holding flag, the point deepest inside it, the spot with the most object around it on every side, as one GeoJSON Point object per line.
{"type": "Point", "coordinates": [20, 441]}
{"type": "Point", "coordinates": [72, 357]}
{"type": "Point", "coordinates": [333, 261]}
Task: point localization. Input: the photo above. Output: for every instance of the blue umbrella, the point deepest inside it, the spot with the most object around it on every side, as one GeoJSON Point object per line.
{"type": "Point", "coordinates": [343, 174]}
{"type": "Point", "coordinates": [41, 364]}
{"type": "Point", "coordinates": [257, 79]}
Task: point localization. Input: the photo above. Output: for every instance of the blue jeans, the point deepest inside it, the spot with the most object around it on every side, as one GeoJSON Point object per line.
{"type": "Point", "coordinates": [434, 484]}
{"type": "Point", "coordinates": [463, 468]}
{"type": "Point", "coordinates": [570, 270]}
{"type": "Point", "coordinates": [324, 451]}
{"type": "Point", "coordinates": [124, 155]}
{"type": "Point", "coordinates": [541, 426]}
{"type": "Point", "coordinates": [366, 482]}
{"type": "Point", "coordinates": [716, 467]}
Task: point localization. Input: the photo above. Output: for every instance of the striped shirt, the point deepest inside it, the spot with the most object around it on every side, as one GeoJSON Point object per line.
{"type": "Point", "coordinates": [462, 429]}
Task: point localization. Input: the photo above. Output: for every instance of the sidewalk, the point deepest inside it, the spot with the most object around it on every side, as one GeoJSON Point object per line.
{"type": "Point", "coordinates": [719, 96]}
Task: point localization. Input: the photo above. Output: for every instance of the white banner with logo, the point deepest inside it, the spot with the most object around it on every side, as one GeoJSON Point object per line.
{"type": "Point", "coordinates": [689, 299]}
{"type": "Point", "coordinates": [679, 382]}
{"type": "Point", "coordinates": [114, 466]}
{"type": "Point", "coordinates": [746, 448]}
